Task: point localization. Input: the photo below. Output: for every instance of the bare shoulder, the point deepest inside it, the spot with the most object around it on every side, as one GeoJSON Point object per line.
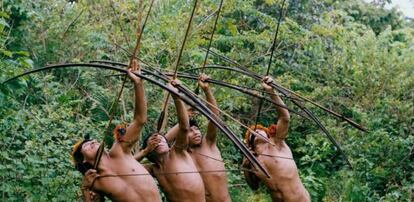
{"type": "Point", "coordinates": [116, 150]}
{"type": "Point", "coordinates": [209, 143]}
{"type": "Point", "coordinates": [179, 152]}
{"type": "Point", "coordinates": [279, 142]}
{"type": "Point", "coordinates": [150, 168]}
{"type": "Point", "coordinates": [210, 149]}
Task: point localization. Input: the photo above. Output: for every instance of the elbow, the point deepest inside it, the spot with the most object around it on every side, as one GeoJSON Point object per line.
{"type": "Point", "coordinates": [141, 121]}
{"type": "Point", "coordinates": [184, 129]}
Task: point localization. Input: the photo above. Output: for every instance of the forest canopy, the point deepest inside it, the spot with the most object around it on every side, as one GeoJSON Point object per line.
{"type": "Point", "coordinates": [353, 57]}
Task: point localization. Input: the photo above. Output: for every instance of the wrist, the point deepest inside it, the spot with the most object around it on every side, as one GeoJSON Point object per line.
{"type": "Point", "coordinates": [146, 151]}
{"type": "Point", "coordinates": [174, 96]}
{"type": "Point", "coordinates": [137, 81]}
{"type": "Point", "coordinates": [85, 188]}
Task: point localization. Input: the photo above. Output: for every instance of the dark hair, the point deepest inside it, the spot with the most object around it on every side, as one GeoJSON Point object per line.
{"type": "Point", "coordinates": [152, 155]}
{"type": "Point", "coordinates": [194, 122]}
{"type": "Point", "coordinates": [251, 141]}
{"type": "Point", "coordinates": [78, 157]}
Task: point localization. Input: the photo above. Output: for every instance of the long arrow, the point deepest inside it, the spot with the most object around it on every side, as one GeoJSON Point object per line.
{"type": "Point", "coordinates": [210, 42]}
{"type": "Point", "coordinates": [259, 109]}
{"type": "Point", "coordinates": [164, 113]}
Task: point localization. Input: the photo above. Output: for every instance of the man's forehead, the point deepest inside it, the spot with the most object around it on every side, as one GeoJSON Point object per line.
{"type": "Point", "coordinates": [86, 143]}
{"type": "Point", "coordinates": [262, 133]}
{"type": "Point", "coordinates": [260, 130]}
{"type": "Point", "coordinates": [157, 136]}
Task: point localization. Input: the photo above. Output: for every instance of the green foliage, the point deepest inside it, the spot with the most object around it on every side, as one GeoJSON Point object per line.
{"type": "Point", "coordinates": [354, 58]}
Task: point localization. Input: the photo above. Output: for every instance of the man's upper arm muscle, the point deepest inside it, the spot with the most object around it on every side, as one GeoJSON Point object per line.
{"type": "Point", "coordinates": [133, 131]}
{"type": "Point", "coordinates": [282, 129]}
{"type": "Point", "coordinates": [211, 128]}
{"type": "Point", "coordinates": [183, 124]}
{"type": "Point", "coordinates": [172, 133]}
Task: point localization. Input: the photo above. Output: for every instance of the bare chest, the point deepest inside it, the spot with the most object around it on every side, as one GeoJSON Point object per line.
{"type": "Point", "coordinates": [179, 175]}
{"type": "Point", "coordinates": [126, 165]}
{"type": "Point", "coordinates": [207, 159]}
{"type": "Point", "coordinates": [279, 163]}
{"type": "Point", "coordinates": [121, 175]}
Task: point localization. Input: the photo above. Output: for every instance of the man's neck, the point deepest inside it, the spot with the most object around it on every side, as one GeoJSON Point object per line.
{"type": "Point", "coordinates": [161, 158]}
{"type": "Point", "coordinates": [261, 148]}
{"type": "Point", "coordinates": [194, 146]}
{"type": "Point", "coordinates": [103, 162]}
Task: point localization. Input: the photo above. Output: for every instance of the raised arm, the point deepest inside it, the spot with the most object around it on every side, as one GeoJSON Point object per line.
{"type": "Point", "coordinates": [211, 136]}
{"type": "Point", "coordinates": [173, 132]}
{"type": "Point", "coordinates": [133, 132]}
{"type": "Point", "coordinates": [183, 121]}
{"type": "Point", "coordinates": [152, 144]}
{"type": "Point", "coordinates": [140, 154]}
{"type": "Point", "coordinates": [283, 114]}
{"type": "Point", "coordinates": [140, 113]}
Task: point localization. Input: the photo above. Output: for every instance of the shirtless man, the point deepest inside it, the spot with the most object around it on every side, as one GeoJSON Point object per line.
{"type": "Point", "coordinates": [119, 159]}
{"type": "Point", "coordinates": [173, 167]}
{"type": "Point", "coordinates": [204, 152]}
{"type": "Point", "coordinates": [277, 158]}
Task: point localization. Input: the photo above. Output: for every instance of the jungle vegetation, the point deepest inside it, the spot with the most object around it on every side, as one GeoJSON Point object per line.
{"type": "Point", "coordinates": [353, 57]}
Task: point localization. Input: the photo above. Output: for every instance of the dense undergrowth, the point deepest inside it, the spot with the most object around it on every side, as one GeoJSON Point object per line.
{"type": "Point", "coordinates": [352, 57]}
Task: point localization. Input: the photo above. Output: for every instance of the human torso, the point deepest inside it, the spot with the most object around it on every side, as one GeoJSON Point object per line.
{"type": "Point", "coordinates": [208, 159]}
{"type": "Point", "coordinates": [284, 181]}
{"type": "Point", "coordinates": [124, 179]}
{"type": "Point", "coordinates": [179, 178]}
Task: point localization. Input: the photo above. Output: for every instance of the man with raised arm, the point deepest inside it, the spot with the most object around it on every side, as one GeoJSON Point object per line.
{"type": "Point", "coordinates": [173, 167]}
{"type": "Point", "coordinates": [118, 176]}
{"type": "Point", "coordinates": [284, 182]}
{"type": "Point", "coordinates": [204, 152]}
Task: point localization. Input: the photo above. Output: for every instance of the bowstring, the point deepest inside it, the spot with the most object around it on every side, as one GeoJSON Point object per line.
{"type": "Point", "coordinates": [197, 90]}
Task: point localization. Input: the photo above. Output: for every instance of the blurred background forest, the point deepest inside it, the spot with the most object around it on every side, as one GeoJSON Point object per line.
{"type": "Point", "coordinates": [353, 57]}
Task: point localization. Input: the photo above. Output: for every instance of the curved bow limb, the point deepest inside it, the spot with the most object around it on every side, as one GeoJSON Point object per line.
{"type": "Point", "coordinates": [296, 102]}
{"type": "Point", "coordinates": [221, 83]}
{"type": "Point", "coordinates": [244, 71]}
{"type": "Point", "coordinates": [187, 92]}
{"type": "Point", "coordinates": [199, 106]}
{"type": "Point", "coordinates": [289, 92]}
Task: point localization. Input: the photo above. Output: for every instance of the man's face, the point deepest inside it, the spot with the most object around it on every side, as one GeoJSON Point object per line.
{"type": "Point", "coordinates": [194, 137]}
{"type": "Point", "coordinates": [89, 149]}
{"type": "Point", "coordinates": [162, 146]}
{"type": "Point", "coordinates": [261, 138]}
